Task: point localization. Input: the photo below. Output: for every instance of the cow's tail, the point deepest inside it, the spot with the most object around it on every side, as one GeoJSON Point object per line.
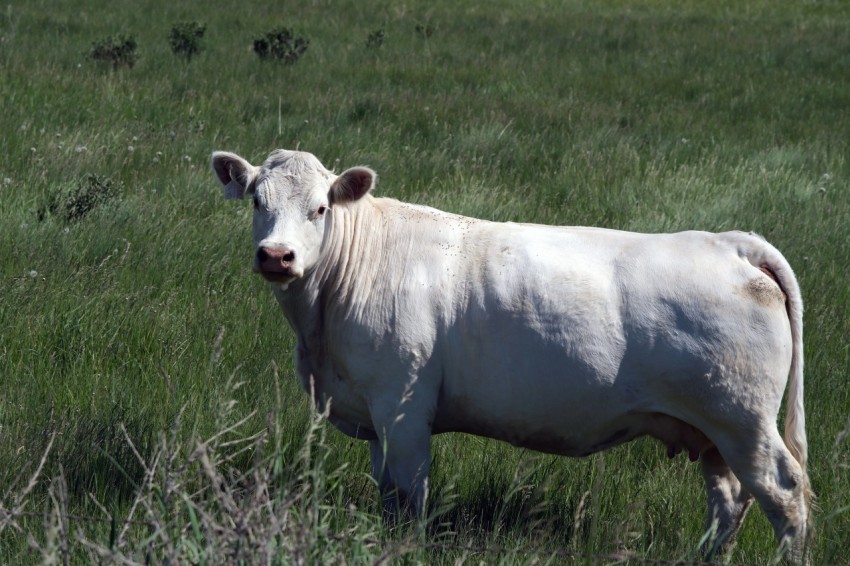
{"type": "Point", "coordinates": [768, 259]}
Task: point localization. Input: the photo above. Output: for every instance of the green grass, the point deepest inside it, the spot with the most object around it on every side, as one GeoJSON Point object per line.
{"type": "Point", "coordinates": [651, 116]}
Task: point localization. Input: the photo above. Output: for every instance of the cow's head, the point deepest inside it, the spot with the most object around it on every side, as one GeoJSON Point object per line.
{"type": "Point", "coordinates": [294, 196]}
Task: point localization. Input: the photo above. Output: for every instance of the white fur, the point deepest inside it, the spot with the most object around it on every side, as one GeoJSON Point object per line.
{"type": "Point", "coordinates": [411, 321]}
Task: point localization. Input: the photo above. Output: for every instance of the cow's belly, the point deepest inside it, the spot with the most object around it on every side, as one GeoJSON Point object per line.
{"type": "Point", "coordinates": [550, 437]}
{"type": "Point", "coordinates": [562, 413]}
{"type": "Point", "coordinates": [571, 414]}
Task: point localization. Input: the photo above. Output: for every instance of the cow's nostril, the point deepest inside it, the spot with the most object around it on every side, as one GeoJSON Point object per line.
{"type": "Point", "coordinates": [289, 257]}
{"type": "Point", "coordinates": [262, 255]}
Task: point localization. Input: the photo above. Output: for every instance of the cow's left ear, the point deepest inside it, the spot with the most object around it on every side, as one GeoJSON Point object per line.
{"type": "Point", "coordinates": [352, 185]}
{"type": "Point", "coordinates": [236, 175]}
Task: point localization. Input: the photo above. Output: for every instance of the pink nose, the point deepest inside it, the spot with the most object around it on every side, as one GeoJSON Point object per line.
{"type": "Point", "coordinates": [275, 260]}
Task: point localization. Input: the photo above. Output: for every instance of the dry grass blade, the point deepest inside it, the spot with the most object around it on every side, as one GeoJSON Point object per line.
{"type": "Point", "coordinates": [7, 517]}
{"type": "Point", "coordinates": [110, 556]}
{"type": "Point", "coordinates": [140, 499]}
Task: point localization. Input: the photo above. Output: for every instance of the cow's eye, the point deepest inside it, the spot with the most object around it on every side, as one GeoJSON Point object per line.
{"type": "Point", "coordinates": [256, 202]}
{"type": "Point", "coordinates": [322, 209]}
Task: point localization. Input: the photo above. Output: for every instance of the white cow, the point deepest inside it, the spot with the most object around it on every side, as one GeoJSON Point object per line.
{"type": "Point", "coordinates": [411, 321]}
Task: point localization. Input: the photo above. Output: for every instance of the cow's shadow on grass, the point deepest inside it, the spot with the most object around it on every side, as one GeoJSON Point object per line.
{"type": "Point", "coordinates": [90, 450]}
{"type": "Point", "coordinates": [526, 512]}
{"type": "Point", "coordinates": [497, 513]}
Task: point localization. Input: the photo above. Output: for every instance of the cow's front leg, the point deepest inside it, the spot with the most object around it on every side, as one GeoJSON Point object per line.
{"type": "Point", "coordinates": [381, 475]}
{"type": "Point", "coordinates": [401, 459]}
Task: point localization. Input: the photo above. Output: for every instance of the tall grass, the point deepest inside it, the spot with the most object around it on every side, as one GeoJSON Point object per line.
{"type": "Point", "coordinates": [192, 502]}
{"type": "Point", "coordinates": [650, 115]}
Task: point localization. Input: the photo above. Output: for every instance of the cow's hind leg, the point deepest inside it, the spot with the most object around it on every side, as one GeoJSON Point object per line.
{"type": "Point", "coordinates": [766, 468]}
{"type": "Point", "coordinates": [728, 503]}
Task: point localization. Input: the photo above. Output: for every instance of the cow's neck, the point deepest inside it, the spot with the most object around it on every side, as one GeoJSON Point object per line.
{"type": "Point", "coordinates": [341, 281]}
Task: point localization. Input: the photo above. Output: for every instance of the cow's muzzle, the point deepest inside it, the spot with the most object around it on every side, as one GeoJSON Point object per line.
{"type": "Point", "coordinates": [277, 264]}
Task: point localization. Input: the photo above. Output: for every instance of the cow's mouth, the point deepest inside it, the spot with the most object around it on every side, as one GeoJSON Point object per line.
{"type": "Point", "coordinates": [283, 277]}
{"type": "Point", "coordinates": [279, 279]}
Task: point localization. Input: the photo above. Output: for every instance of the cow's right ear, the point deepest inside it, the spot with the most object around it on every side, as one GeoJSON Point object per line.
{"type": "Point", "coordinates": [236, 175]}
{"type": "Point", "coordinates": [352, 185]}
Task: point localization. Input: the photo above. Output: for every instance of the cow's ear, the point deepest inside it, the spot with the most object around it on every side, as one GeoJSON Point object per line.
{"type": "Point", "coordinates": [236, 175]}
{"type": "Point", "coordinates": [352, 185]}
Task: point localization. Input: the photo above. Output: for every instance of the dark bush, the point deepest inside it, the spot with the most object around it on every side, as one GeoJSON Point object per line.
{"type": "Point", "coordinates": [424, 31]}
{"type": "Point", "coordinates": [375, 39]}
{"type": "Point", "coordinates": [185, 39]}
{"type": "Point", "coordinates": [280, 44]}
{"type": "Point", "coordinates": [91, 192]}
{"type": "Point", "coordinates": [119, 51]}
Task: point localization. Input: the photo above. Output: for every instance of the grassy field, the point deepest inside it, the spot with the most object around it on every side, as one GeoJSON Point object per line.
{"type": "Point", "coordinates": [139, 353]}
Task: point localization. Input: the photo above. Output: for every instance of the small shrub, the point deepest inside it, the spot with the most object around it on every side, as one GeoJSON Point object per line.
{"type": "Point", "coordinates": [91, 192]}
{"type": "Point", "coordinates": [119, 51]}
{"type": "Point", "coordinates": [185, 39]}
{"type": "Point", "coordinates": [280, 44]}
{"type": "Point", "coordinates": [375, 39]}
